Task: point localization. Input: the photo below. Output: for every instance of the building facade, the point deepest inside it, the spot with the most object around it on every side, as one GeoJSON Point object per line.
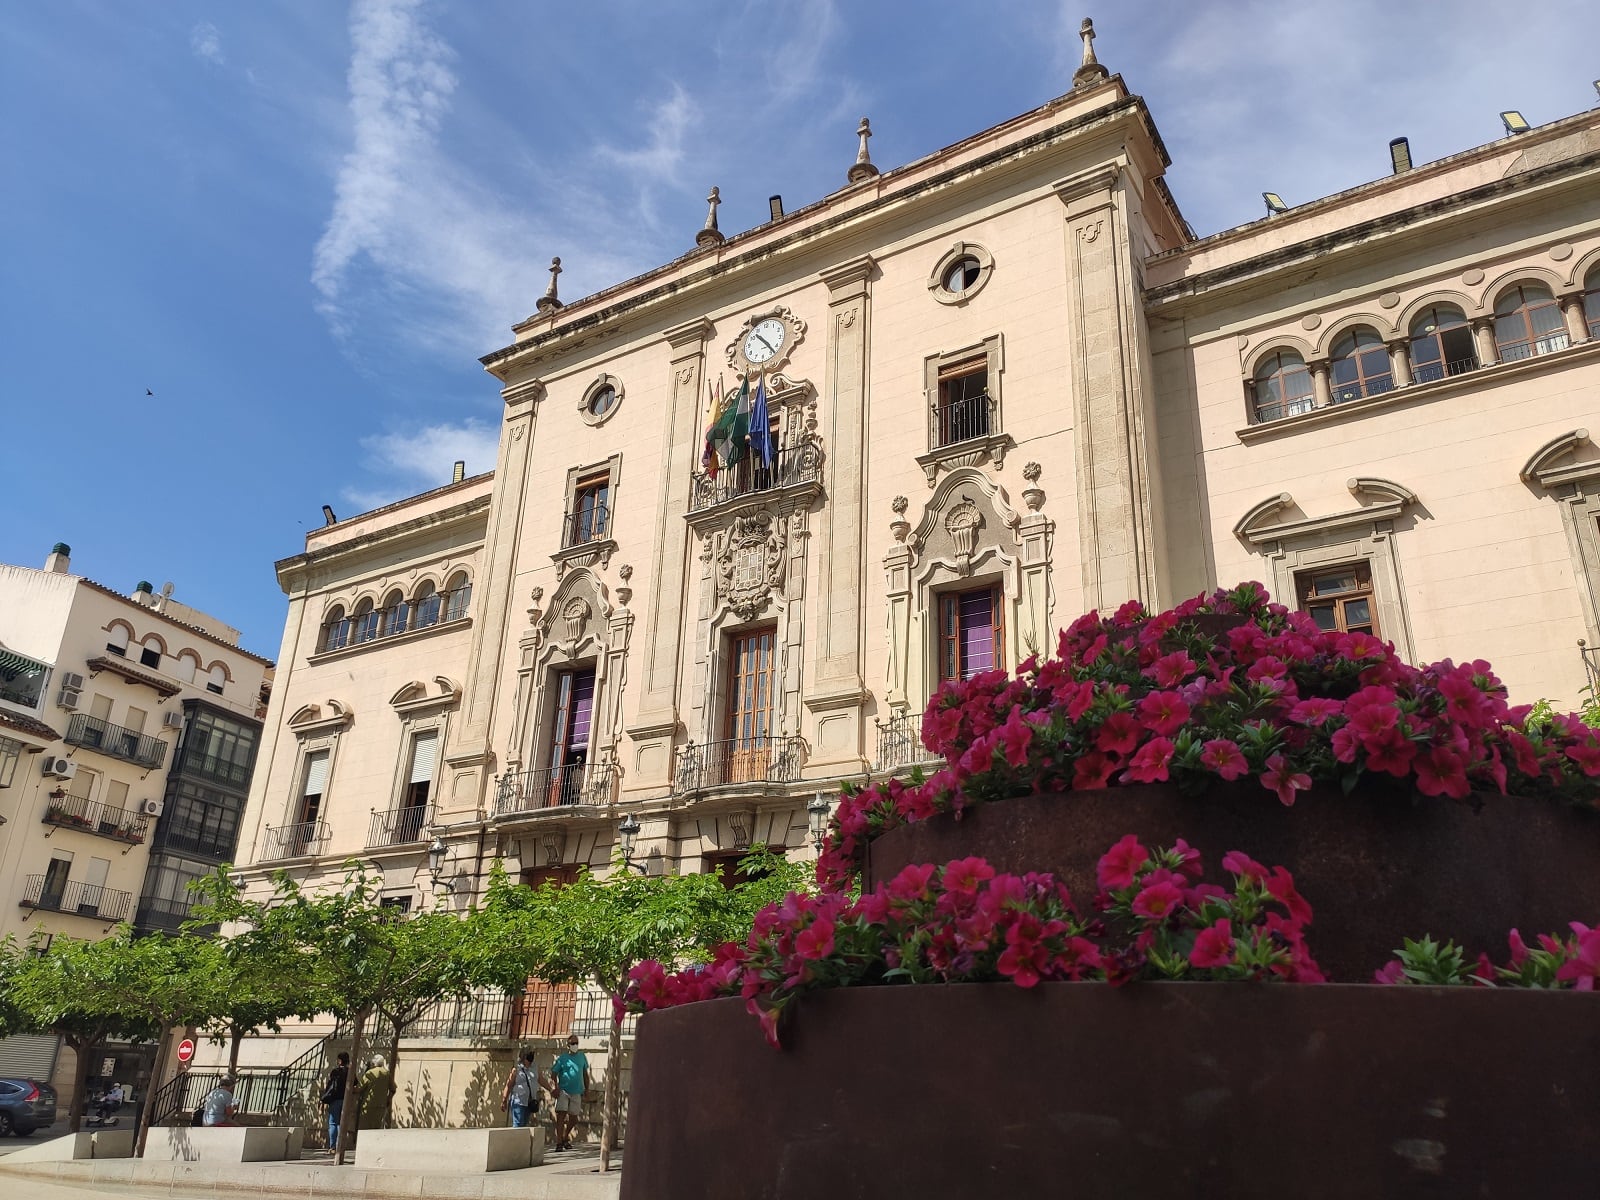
{"type": "Point", "coordinates": [128, 732]}
{"type": "Point", "coordinates": [1003, 385]}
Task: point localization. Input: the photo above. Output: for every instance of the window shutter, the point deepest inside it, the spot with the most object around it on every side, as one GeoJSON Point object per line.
{"type": "Point", "coordinates": [423, 751]}
{"type": "Point", "coordinates": [317, 774]}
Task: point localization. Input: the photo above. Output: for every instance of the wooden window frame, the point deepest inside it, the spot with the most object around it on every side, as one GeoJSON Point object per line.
{"type": "Point", "coordinates": [1306, 594]}
{"type": "Point", "coordinates": [949, 630]}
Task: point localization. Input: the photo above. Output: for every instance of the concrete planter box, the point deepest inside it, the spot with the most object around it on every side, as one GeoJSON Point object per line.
{"type": "Point", "coordinates": [1153, 1090]}
{"type": "Point", "coordinates": [450, 1151]}
{"type": "Point", "coordinates": [226, 1143]}
{"type": "Point", "coordinates": [100, 1143]}
{"type": "Point", "coordinates": [1376, 866]}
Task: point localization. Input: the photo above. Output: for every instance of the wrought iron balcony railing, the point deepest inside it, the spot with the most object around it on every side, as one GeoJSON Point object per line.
{"type": "Point", "coordinates": [113, 740]}
{"type": "Point", "coordinates": [769, 758]}
{"type": "Point", "coordinates": [96, 817]}
{"type": "Point", "coordinates": [555, 787]}
{"type": "Point", "coordinates": [1591, 668]}
{"type": "Point", "coordinates": [961, 420]}
{"type": "Point", "coordinates": [295, 841]}
{"type": "Point", "coordinates": [800, 463]}
{"type": "Point", "coordinates": [589, 524]}
{"type": "Point", "coordinates": [400, 826]}
{"type": "Point", "coordinates": [900, 743]}
{"type": "Point", "coordinates": [75, 897]}
{"type": "Point", "coordinates": [1433, 371]}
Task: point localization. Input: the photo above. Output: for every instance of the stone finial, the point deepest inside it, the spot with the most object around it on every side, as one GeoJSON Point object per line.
{"type": "Point", "coordinates": [1033, 494]}
{"type": "Point", "coordinates": [862, 169]}
{"type": "Point", "coordinates": [1089, 71]}
{"type": "Point", "coordinates": [711, 235]}
{"type": "Point", "coordinates": [625, 593]}
{"type": "Point", "coordinates": [549, 302]}
{"type": "Point", "coordinates": [900, 527]}
{"type": "Point", "coordinates": [534, 609]}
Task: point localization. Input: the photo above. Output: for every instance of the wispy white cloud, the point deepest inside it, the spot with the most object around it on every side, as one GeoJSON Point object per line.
{"type": "Point", "coordinates": [660, 158]}
{"type": "Point", "coordinates": [205, 41]}
{"type": "Point", "coordinates": [411, 461]}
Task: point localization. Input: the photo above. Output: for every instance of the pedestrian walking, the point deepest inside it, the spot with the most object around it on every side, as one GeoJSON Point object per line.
{"type": "Point", "coordinates": [570, 1079]}
{"type": "Point", "coordinates": [521, 1097]}
{"type": "Point", "coordinates": [333, 1097]}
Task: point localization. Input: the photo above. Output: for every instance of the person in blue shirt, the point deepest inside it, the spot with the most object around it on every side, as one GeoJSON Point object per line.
{"type": "Point", "coordinates": [570, 1079]}
{"type": "Point", "coordinates": [219, 1104]}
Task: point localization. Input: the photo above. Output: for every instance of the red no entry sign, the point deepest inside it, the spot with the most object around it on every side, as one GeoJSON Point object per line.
{"type": "Point", "coordinates": [185, 1050]}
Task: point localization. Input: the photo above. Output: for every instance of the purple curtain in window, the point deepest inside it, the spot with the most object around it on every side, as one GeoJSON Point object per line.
{"type": "Point", "coordinates": [582, 712]}
{"type": "Point", "coordinates": [976, 633]}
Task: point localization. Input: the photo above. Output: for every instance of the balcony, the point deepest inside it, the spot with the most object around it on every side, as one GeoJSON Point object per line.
{"type": "Point", "coordinates": [591, 784]}
{"type": "Point", "coordinates": [92, 816]}
{"type": "Point", "coordinates": [116, 742]}
{"type": "Point", "coordinates": [294, 841]}
{"type": "Point", "coordinates": [399, 826]}
{"type": "Point", "coordinates": [165, 915]}
{"type": "Point", "coordinates": [792, 467]}
{"type": "Point", "coordinates": [765, 759]}
{"type": "Point", "coordinates": [900, 744]}
{"type": "Point", "coordinates": [76, 898]}
{"type": "Point", "coordinates": [589, 524]}
{"type": "Point", "coordinates": [1431, 372]}
{"type": "Point", "coordinates": [963, 420]}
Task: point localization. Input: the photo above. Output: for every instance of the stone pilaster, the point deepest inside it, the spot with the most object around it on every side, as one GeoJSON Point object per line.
{"type": "Point", "coordinates": [1107, 339]}
{"type": "Point", "coordinates": [838, 692]}
{"type": "Point", "coordinates": [658, 718]}
{"type": "Point", "coordinates": [471, 760]}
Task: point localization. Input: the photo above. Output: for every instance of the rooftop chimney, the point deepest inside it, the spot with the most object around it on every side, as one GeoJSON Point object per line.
{"type": "Point", "coordinates": [142, 593]}
{"type": "Point", "coordinates": [460, 472]}
{"type": "Point", "coordinates": [60, 560]}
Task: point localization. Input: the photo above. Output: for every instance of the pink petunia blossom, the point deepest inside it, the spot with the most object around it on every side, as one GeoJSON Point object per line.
{"type": "Point", "coordinates": [1157, 902]}
{"type": "Point", "coordinates": [1120, 864]}
{"type": "Point", "coordinates": [1281, 778]}
{"type": "Point", "coordinates": [1392, 972]}
{"type": "Point", "coordinates": [963, 875]}
{"type": "Point", "coordinates": [1280, 886]}
{"type": "Point", "coordinates": [815, 940]}
{"type": "Point", "coordinates": [1163, 713]}
{"type": "Point", "coordinates": [1586, 755]}
{"type": "Point", "coordinates": [1213, 947]}
{"type": "Point", "coordinates": [1225, 758]}
{"type": "Point", "coordinates": [1118, 734]}
{"type": "Point", "coordinates": [1238, 863]}
{"type": "Point", "coordinates": [1093, 770]}
{"type": "Point", "coordinates": [1149, 765]}
{"type": "Point", "coordinates": [1171, 669]}
{"type": "Point", "coordinates": [1584, 966]}
{"type": "Point", "coordinates": [912, 882]}
{"type": "Point", "coordinates": [1315, 711]}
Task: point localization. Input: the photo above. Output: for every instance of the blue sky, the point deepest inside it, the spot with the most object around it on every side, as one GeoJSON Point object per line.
{"type": "Point", "coordinates": [300, 223]}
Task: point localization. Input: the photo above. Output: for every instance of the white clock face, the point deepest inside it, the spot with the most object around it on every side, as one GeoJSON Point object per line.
{"type": "Point", "coordinates": [763, 342]}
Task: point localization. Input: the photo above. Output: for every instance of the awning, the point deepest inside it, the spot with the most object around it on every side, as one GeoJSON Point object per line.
{"type": "Point", "coordinates": [162, 687]}
{"type": "Point", "coordinates": [14, 665]}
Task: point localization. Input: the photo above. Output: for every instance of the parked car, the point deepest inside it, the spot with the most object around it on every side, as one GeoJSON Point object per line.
{"type": "Point", "coordinates": [26, 1105]}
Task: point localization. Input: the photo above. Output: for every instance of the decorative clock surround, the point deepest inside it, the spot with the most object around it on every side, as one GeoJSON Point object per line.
{"type": "Point", "coordinates": [765, 340]}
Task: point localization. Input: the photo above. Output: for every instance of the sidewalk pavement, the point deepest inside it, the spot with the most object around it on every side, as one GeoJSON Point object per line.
{"type": "Point", "coordinates": [565, 1175]}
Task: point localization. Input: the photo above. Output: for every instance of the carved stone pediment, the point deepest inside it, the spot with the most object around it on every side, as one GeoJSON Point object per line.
{"type": "Point", "coordinates": [748, 559]}
{"type": "Point", "coordinates": [576, 620]}
{"type": "Point", "coordinates": [966, 513]}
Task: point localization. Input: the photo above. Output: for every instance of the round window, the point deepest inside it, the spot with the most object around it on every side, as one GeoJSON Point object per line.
{"type": "Point", "coordinates": [602, 400]}
{"type": "Point", "coordinates": [961, 275]}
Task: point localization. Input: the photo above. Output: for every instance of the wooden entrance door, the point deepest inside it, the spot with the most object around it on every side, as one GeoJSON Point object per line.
{"type": "Point", "coordinates": [750, 715]}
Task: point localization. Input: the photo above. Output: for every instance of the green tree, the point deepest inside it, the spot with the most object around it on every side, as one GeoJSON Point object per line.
{"type": "Point", "coordinates": [428, 966]}
{"type": "Point", "coordinates": [594, 931]}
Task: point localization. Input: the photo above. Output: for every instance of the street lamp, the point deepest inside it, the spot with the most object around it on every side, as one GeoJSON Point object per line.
{"type": "Point", "coordinates": [817, 811]}
{"type": "Point", "coordinates": [627, 839]}
{"type": "Point", "coordinates": [436, 856]}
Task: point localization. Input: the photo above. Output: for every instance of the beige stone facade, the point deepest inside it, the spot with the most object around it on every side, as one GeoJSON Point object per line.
{"type": "Point", "coordinates": [1007, 385]}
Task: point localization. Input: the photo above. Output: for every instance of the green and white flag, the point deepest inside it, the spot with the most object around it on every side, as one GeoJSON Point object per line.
{"type": "Point", "coordinates": [733, 427]}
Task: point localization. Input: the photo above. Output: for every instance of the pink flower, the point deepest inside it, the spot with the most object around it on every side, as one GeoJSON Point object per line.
{"type": "Point", "coordinates": [1171, 669]}
{"type": "Point", "coordinates": [1163, 713]}
{"type": "Point", "coordinates": [1119, 734]}
{"type": "Point", "coordinates": [1120, 864]}
{"type": "Point", "coordinates": [1188, 859]}
{"type": "Point", "coordinates": [1519, 949]}
{"type": "Point", "coordinates": [1224, 757]}
{"type": "Point", "coordinates": [1157, 902]}
{"type": "Point", "coordinates": [1584, 965]}
{"type": "Point", "coordinates": [1441, 771]}
{"type": "Point", "coordinates": [1587, 756]}
{"type": "Point", "coordinates": [1240, 864]}
{"type": "Point", "coordinates": [815, 940]}
{"type": "Point", "coordinates": [1149, 765]}
{"type": "Point", "coordinates": [1093, 770]}
{"type": "Point", "coordinates": [912, 882]}
{"type": "Point", "coordinates": [1214, 946]}
{"type": "Point", "coordinates": [963, 875]}
{"type": "Point", "coordinates": [1315, 711]}
{"type": "Point", "coordinates": [1281, 778]}
{"type": "Point", "coordinates": [1393, 971]}
{"type": "Point", "coordinates": [1280, 886]}
{"type": "Point", "coordinates": [1015, 736]}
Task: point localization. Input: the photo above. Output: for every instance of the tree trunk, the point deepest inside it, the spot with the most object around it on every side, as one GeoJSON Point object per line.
{"type": "Point", "coordinates": [147, 1110]}
{"type": "Point", "coordinates": [613, 1092]}
{"type": "Point", "coordinates": [235, 1039]}
{"type": "Point", "coordinates": [84, 1048]}
{"type": "Point", "coordinates": [394, 1057]}
{"type": "Point", "coordinates": [347, 1114]}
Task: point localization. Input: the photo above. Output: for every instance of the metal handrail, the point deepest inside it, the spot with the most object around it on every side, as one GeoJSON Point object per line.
{"type": "Point", "coordinates": [410, 615]}
{"type": "Point", "coordinates": [961, 420]}
{"type": "Point", "coordinates": [293, 841]}
{"type": "Point", "coordinates": [900, 743]}
{"type": "Point", "coordinates": [96, 817]}
{"type": "Point", "coordinates": [585, 526]}
{"type": "Point", "coordinates": [115, 741]}
{"type": "Point", "coordinates": [554, 787]}
{"type": "Point", "coordinates": [765, 758]}
{"type": "Point", "coordinates": [400, 826]}
{"type": "Point", "coordinates": [1432, 372]}
{"type": "Point", "coordinates": [800, 463]}
{"type": "Point", "coordinates": [77, 897]}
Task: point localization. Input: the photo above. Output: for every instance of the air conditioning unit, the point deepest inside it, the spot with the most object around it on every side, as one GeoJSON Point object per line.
{"type": "Point", "coordinates": [72, 681]}
{"type": "Point", "coordinates": [68, 699]}
{"type": "Point", "coordinates": [57, 767]}
{"type": "Point", "coordinates": [47, 764]}
{"type": "Point", "coordinates": [150, 808]}
{"type": "Point", "coordinates": [173, 720]}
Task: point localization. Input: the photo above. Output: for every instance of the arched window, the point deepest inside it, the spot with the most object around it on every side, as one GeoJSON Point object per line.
{"type": "Point", "coordinates": [457, 596]}
{"type": "Point", "coordinates": [150, 652]}
{"type": "Point", "coordinates": [1591, 301]}
{"type": "Point", "coordinates": [395, 613]}
{"type": "Point", "coordinates": [1282, 386]}
{"type": "Point", "coordinates": [1527, 322]}
{"type": "Point", "coordinates": [188, 666]}
{"type": "Point", "coordinates": [427, 605]}
{"type": "Point", "coordinates": [1359, 366]}
{"type": "Point", "coordinates": [117, 640]}
{"type": "Point", "coordinates": [1441, 344]}
{"type": "Point", "coordinates": [336, 631]}
{"type": "Point", "coordinates": [364, 622]}
{"type": "Point", "coordinates": [215, 678]}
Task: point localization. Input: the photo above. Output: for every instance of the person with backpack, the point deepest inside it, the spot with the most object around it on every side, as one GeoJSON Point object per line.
{"type": "Point", "coordinates": [333, 1097]}
{"type": "Point", "coordinates": [521, 1097]}
{"type": "Point", "coordinates": [219, 1106]}
{"type": "Point", "coordinates": [569, 1078]}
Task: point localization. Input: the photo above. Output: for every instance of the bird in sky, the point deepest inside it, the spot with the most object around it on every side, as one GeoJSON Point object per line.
{"type": "Point", "coordinates": [148, 392]}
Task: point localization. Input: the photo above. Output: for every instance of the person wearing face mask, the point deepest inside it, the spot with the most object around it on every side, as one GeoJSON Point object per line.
{"type": "Point", "coordinates": [570, 1079]}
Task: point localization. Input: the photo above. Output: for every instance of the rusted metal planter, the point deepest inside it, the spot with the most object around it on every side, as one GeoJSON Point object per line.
{"type": "Point", "coordinates": [1152, 1090]}
{"type": "Point", "coordinates": [1376, 866]}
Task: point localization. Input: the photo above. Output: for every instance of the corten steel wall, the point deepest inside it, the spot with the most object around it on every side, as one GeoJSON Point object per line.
{"type": "Point", "coordinates": [1231, 1091]}
{"type": "Point", "coordinates": [1376, 866]}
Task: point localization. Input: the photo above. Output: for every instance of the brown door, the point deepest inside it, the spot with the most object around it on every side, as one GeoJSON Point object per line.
{"type": "Point", "coordinates": [569, 740]}
{"type": "Point", "coordinates": [750, 714]}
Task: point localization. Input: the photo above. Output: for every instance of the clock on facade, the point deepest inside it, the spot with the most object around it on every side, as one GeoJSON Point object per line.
{"type": "Point", "coordinates": [765, 340]}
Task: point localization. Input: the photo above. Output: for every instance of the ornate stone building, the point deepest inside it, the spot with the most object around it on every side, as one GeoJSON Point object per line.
{"type": "Point", "coordinates": [1006, 384]}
